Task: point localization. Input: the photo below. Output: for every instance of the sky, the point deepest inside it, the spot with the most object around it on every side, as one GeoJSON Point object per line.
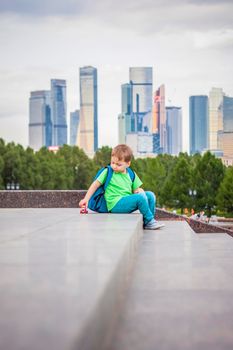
{"type": "Point", "coordinates": [189, 44]}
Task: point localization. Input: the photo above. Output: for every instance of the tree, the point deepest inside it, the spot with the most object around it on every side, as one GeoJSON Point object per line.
{"type": "Point", "coordinates": [80, 168]}
{"type": "Point", "coordinates": [208, 175]}
{"type": "Point", "coordinates": [1, 173]}
{"type": "Point", "coordinates": [102, 157]}
{"type": "Point", "coordinates": [152, 174]}
{"type": "Point", "coordinates": [225, 192]}
{"type": "Point", "coordinates": [177, 184]}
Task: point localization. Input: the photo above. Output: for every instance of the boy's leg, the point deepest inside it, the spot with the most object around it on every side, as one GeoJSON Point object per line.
{"type": "Point", "coordinates": [133, 202]}
{"type": "Point", "coordinates": [151, 200]}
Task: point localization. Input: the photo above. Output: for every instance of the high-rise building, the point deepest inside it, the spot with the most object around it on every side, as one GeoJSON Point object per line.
{"type": "Point", "coordinates": [40, 123]}
{"type": "Point", "coordinates": [141, 81]}
{"type": "Point", "coordinates": [88, 126]}
{"type": "Point", "coordinates": [58, 107]}
{"type": "Point", "coordinates": [227, 112]}
{"type": "Point", "coordinates": [226, 134]}
{"type": "Point", "coordinates": [159, 120]}
{"type": "Point", "coordinates": [198, 123]}
{"type": "Point", "coordinates": [174, 130]}
{"type": "Point", "coordinates": [215, 117]}
{"type": "Point", "coordinates": [74, 124]}
{"type": "Point", "coordinates": [126, 122]}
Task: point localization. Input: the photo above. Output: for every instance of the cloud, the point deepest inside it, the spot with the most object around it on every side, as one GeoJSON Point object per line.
{"type": "Point", "coordinates": [214, 39]}
{"type": "Point", "coordinates": [142, 16]}
{"type": "Point", "coordinates": [42, 7]}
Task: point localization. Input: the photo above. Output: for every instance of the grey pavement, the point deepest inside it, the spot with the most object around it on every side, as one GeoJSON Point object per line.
{"type": "Point", "coordinates": [180, 295]}
{"type": "Point", "coordinates": [88, 282]}
{"type": "Point", "coordinates": [61, 276]}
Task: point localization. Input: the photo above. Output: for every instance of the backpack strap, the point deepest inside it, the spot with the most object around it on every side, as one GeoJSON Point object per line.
{"type": "Point", "coordinates": [109, 176]}
{"type": "Point", "coordinates": [131, 174]}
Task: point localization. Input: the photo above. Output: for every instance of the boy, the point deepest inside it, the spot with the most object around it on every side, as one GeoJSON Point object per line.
{"type": "Point", "coordinates": [118, 194]}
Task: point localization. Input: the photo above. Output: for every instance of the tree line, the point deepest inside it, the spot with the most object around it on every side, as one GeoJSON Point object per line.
{"type": "Point", "coordinates": [199, 182]}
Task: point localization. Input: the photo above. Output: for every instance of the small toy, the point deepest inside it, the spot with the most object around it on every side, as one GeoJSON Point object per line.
{"type": "Point", "coordinates": [84, 210]}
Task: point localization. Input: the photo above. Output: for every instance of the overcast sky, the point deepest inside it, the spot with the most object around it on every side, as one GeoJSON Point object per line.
{"type": "Point", "coordinates": [189, 44]}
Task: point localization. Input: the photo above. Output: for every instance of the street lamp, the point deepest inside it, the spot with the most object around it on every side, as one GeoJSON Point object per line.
{"type": "Point", "coordinates": [12, 186]}
{"type": "Point", "coordinates": [192, 194]}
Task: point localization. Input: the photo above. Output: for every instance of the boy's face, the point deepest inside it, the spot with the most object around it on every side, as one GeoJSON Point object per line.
{"type": "Point", "coordinates": [119, 166]}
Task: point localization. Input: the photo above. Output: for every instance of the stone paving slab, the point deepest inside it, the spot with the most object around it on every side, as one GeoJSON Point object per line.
{"type": "Point", "coordinates": [179, 298]}
{"type": "Point", "coordinates": [61, 276]}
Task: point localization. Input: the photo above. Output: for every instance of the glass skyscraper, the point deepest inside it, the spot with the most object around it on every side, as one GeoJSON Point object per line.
{"type": "Point", "coordinates": [40, 123]}
{"type": "Point", "coordinates": [74, 125]}
{"type": "Point", "coordinates": [174, 130]}
{"type": "Point", "coordinates": [88, 126]}
{"type": "Point", "coordinates": [227, 111]}
{"type": "Point", "coordinates": [141, 81]}
{"type": "Point", "coordinates": [126, 121]}
{"type": "Point", "coordinates": [159, 128]}
{"type": "Point", "coordinates": [215, 117]}
{"type": "Point", "coordinates": [198, 123]}
{"type": "Point", "coordinates": [226, 134]}
{"type": "Point", "coordinates": [58, 107]}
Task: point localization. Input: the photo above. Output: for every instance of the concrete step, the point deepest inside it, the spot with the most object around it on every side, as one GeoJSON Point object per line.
{"type": "Point", "coordinates": [220, 248]}
{"type": "Point", "coordinates": [62, 276]}
{"type": "Point", "coordinates": [179, 296]}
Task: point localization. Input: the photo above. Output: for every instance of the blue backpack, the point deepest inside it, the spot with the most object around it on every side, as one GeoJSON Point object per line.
{"type": "Point", "coordinates": [97, 201]}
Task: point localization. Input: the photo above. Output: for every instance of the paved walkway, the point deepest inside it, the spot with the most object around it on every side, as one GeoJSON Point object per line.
{"type": "Point", "coordinates": [61, 275]}
{"type": "Point", "coordinates": [96, 282]}
{"type": "Point", "coordinates": [181, 293]}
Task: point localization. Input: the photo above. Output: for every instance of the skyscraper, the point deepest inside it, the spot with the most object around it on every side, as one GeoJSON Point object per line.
{"type": "Point", "coordinates": [215, 117]}
{"type": "Point", "coordinates": [40, 123]}
{"type": "Point", "coordinates": [174, 130]}
{"type": "Point", "coordinates": [74, 125]}
{"type": "Point", "coordinates": [159, 120]}
{"type": "Point", "coordinates": [141, 81]}
{"type": "Point", "coordinates": [58, 106]}
{"type": "Point", "coordinates": [198, 123]}
{"type": "Point", "coordinates": [226, 135]}
{"type": "Point", "coordinates": [227, 112]}
{"type": "Point", "coordinates": [88, 127]}
{"type": "Point", "coordinates": [126, 121]}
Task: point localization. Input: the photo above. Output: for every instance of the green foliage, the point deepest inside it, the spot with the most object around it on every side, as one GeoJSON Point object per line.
{"type": "Point", "coordinates": [169, 177]}
{"type": "Point", "coordinates": [1, 172]}
{"type": "Point", "coordinates": [176, 187]}
{"type": "Point", "coordinates": [207, 177]}
{"type": "Point", "coordinates": [152, 173]}
{"type": "Point", "coordinates": [102, 157]}
{"type": "Point", "coordinates": [225, 192]}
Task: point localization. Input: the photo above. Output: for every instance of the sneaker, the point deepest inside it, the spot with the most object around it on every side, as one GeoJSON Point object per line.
{"type": "Point", "coordinates": [153, 225]}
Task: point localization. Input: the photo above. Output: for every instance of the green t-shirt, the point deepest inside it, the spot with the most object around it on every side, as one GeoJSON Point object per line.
{"type": "Point", "coordinates": [119, 186]}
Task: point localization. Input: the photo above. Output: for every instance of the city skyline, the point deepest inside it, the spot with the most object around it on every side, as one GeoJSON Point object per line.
{"type": "Point", "coordinates": [188, 44]}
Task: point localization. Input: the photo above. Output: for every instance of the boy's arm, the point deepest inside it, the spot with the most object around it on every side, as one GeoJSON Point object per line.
{"type": "Point", "coordinates": [138, 190]}
{"type": "Point", "coordinates": [84, 202]}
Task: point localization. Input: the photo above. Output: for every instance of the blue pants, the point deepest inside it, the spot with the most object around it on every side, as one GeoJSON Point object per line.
{"type": "Point", "coordinates": [144, 202]}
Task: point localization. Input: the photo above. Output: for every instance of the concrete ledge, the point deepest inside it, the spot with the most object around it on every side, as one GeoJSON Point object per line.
{"type": "Point", "coordinates": [62, 276]}
{"type": "Point", "coordinates": [180, 295]}
{"type": "Point", "coordinates": [70, 199]}
{"type": "Point", "coordinates": [197, 225]}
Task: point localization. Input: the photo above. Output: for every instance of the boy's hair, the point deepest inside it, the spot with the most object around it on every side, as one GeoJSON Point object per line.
{"type": "Point", "coordinates": [123, 152]}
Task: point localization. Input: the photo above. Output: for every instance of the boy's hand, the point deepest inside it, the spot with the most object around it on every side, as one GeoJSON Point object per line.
{"type": "Point", "coordinates": [138, 190]}
{"type": "Point", "coordinates": [83, 203]}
